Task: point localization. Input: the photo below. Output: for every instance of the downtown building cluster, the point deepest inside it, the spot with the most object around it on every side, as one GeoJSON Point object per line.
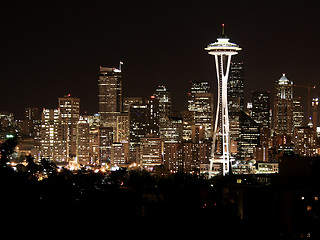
{"type": "Point", "coordinates": [138, 132]}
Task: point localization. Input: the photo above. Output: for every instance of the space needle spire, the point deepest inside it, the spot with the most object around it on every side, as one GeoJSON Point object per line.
{"type": "Point", "coordinates": [222, 50]}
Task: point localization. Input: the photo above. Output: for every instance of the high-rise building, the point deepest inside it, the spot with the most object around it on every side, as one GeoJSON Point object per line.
{"type": "Point", "coordinates": [249, 137]}
{"type": "Point", "coordinates": [128, 101]}
{"type": "Point", "coordinates": [151, 151]}
{"type": "Point", "coordinates": [53, 143]}
{"type": "Point", "coordinates": [261, 107]}
{"type": "Point", "coordinates": [297, 113]}
{"type": "Point", "coordinates": [70, 110]}
{"type": "Point", "coordinates": [83, 142]}
{"type": "Point", "coordinates": [105, 140]}
{"type": "Point", "coordinates": [315, 109]}
{"type": "Point", "coordinates": [152, 116]}
{"type": "Point", "coordinates": [164, 97]}
{"type": "Point", "coordinates": [186, 156]}
{"type": "Point", "coordinates": [31, 113]}
{"type": "Point", "coordinates": [119, 154]}
{"type": "Point", "coordinates": [200, 103]}
{"type": "Point", "coordinates": [236, 87]}
{"type": "Point", "coordinates": [222, 50]}
{"type": "Point", "coordinates": [138, 122]}
{"type": "Point", "coordinates": [123, 128]}
{"type": "Point", "coordinates": [305, 141]}
{"type": "Point", "coordinates": [200, 87]}
{"type": "Point", "coordinates": [283, 106]}
{"type": "Point", "coordinates": [261, 114]}
{"type": "Point", "coordinates": [110, 94]}
{"type": "Point", "coordinates": [6, 125]}
{"type": "Point", "coordinates": [173, 130]}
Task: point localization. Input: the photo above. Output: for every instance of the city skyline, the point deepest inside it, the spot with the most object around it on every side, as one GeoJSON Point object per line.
{"type": "Point", "coordinates": [116, 109]}
{"type": "Point", "coordinates": [52, 50]}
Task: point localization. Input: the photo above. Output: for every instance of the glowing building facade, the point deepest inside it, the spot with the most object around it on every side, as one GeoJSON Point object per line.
{"type": "Point", "coordinates": [283, 106]}
{"type": "Point", "coordinates": [70, 110]}
{"type": "Point", "coordinates": [53, 143]}
{"type": "Point", "coordinates": [110, 94]}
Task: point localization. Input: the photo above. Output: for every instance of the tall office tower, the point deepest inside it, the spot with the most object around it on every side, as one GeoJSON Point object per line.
{"type": "Point", "coordinates": [53, 144]}
{"type": "Point", "coordinates": [137, 122]}
{"type": "Point", "coordinates": [151, 151]}
{"type": "Point", "coordinates": [128, 101]}
{"type": "Point", "coordinates": [123, 128]}
{"type": "Point", "coordinates": [200, 87]}
{"type": "Point", "coordinates": [187, 121]}
{"type": "Point", "coordinates": [6, 125]}
{"type": "Point", "coordinates": [70, 110]}
{"type": "Point", "coordinates": [261, 108]}
{"type": "Point", "coordinates": [315, 106]}
{"type": "Point", "coordinates": [110, 94]}
{"type": "Point", "coordinates": [83, 141]}
{"type": "Point", "coordinates": [249, 137]}
{"type": "Point", "coordinates": [173, 130]}
{"type": "Point", "coordinates": [282, 118]}
{"type": "Point", "coordinates": [297, 113]}
{"type": "Point", "coordinates": [236, 87]}
{"type": "Point", "coordinates": [305, 141]}
{"type": "Point", "coordinates": [261, 114]}
{"type": "Point", "coordinates": [222, 50]}
{"type": "Point", "coordinates": [137, 116]}
{"type": "Point", "coordinates": [119, 154]}
{"type": "Point", "coordinates": [31, 113]}
{"type": "Point", "coordinates": [164, 97]}
{"type": "Point", "coordinates": [152, 116]}
{"type": "Point", "coordinates": [105, 140]}
{"type": "Point", "coordinates": [200, 103]}
{"type": "Point", "coordinates": [27, 126]}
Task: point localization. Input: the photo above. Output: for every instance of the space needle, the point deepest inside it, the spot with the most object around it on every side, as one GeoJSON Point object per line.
{"type": "Point", "coordinates": [222, 51]}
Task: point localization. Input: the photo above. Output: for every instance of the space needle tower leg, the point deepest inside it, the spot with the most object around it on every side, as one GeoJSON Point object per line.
{"type": "Point", "coordinates": [222, 50]}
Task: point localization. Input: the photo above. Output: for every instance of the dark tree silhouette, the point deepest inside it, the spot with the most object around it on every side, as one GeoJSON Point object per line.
{"type": "Point", "coordinates": [7, 148]}
{"type": "Point", "coordinates": [32, 167]}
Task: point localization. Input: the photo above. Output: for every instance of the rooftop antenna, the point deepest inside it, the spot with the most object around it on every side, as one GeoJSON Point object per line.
{"type": "Point", "coordinates": [121, 63]}
{"type": "Point", "coordinates": [222, 29]}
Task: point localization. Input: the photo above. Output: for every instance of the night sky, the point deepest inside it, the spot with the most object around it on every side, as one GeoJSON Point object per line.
{"type": "Point", "coordinates": [52, 48]}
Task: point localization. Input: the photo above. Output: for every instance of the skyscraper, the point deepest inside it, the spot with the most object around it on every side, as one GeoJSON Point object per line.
{"type": "Point", "coordinates": [200, 103]}
{"type": "Point", "coordinates": [297, 113]}
{"type": "Point", "coordinates": [151, 151]}
{"type": "Point", "coordinates": [222, 50]}
{"type": "Point", "coordinates": [249, 136]}
{"type": "Point", "coordinates": [315, 106]}
{"type": "Point", "coordinates": [164, 97]}
{"type": "Point", "coordinates": [70, 110]}
{"type": "Point", "coordinates": [53, 144]}
{"type": "Point", "coordinates": [261, 114]}
{"type": "Point", "coordinates": [83, 141]}
{"type": "Point", "coordinates": [110, 95]}
{"type": "Point", "coordinates": [283, 104]}
{"type": "Point", "coordinates": [236, 87]}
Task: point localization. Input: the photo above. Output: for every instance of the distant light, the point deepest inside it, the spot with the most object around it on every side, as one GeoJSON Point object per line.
{"type": "Point", "coordinates": [9, 136]}
{"type": "Point", "coordinates": [152, 96]}
{"type": "Point", "coordinates": [115, 168]}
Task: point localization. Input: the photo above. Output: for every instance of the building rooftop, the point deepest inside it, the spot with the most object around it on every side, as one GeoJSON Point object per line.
{"type": "Point", "coordinates": [284, 80]}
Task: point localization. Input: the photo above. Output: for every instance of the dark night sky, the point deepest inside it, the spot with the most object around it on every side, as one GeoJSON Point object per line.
{"type": "Point", "coordinates": [52, 48]}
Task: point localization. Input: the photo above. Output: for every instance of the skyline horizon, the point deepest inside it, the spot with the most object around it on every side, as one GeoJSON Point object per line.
{"type": "Point", "coordinates": [51, 49]}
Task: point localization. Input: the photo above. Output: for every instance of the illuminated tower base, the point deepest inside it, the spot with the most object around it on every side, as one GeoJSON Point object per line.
{"type": "Point", "coordinates": [222, 50]}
